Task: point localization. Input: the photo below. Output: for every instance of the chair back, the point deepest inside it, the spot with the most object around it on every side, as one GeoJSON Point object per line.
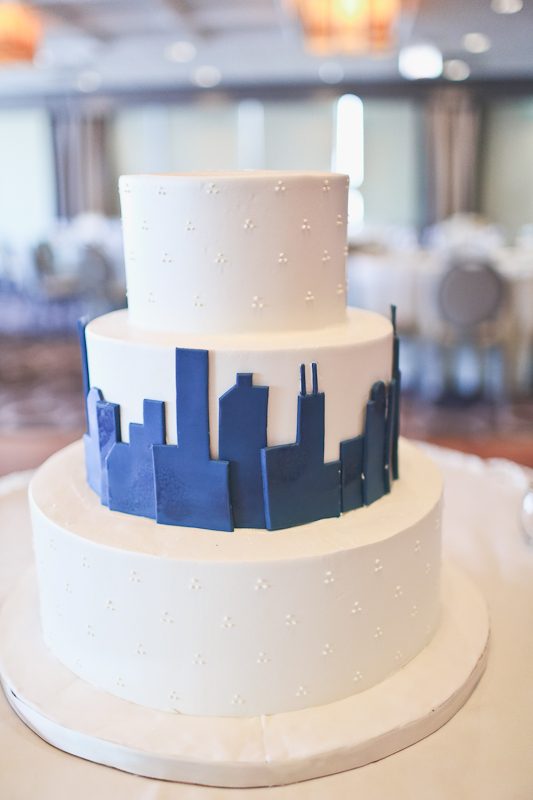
{"type": "Point", "coordinates": [470, 293]}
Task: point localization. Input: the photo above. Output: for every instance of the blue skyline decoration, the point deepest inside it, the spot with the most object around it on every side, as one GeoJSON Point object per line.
{"type": "Point", "coordinates": [374, 459]}
{"type": "Point", "coordinates": [104, 432]}
{"type": "Point", "coordinates": [389, 429]}
{"type": "Point", "coordinates": [242, 434]}
{"type": "Point", "coordinates": [191, 488]}
{"type": "Point", "coordinates": [397, 378]}
{"type": "Point", "coordinates": [298, 486]}
{"type": "Point", "coordinates": [352, 493]}
{"type": "Point", "coordinates": [130, 466]}
{"type": "Point", "coordinates": [82, 324]}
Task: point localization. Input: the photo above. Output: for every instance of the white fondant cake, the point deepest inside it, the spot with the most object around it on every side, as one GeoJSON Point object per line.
{"type": "Point", "coordinates": [236, 624]}
{"type": "Point", "coordinates": [250, 268]}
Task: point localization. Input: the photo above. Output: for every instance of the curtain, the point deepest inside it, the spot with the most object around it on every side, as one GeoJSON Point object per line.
{"type": "Point", "coordinates": [82, 164]}
{"type": "Point", "coordinates": [453, 124]}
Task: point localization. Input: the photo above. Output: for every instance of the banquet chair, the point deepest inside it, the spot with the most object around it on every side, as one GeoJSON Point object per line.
{"type": "Point", "coordinates": [470, 299]}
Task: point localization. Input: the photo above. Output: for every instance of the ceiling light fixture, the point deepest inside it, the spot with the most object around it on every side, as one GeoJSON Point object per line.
{"type": "Point", "coordinates": [476, 43]}
{"type": "Point", "coordinates": [507, 6]}
{"type": "Point", "coordinates": [456, 70]}
{"type": "Point", "coordinates": [20, 31]}
{"type": "Point", "coordinates": [180, 52]}
{"type": "Point", "coordinates": [88, 81]}
{"type": "Point", "coordinates": [331, 72]}
{"type": "Point", "coordinates": [206, 77]}
{"type": "Point", "coordinates": [420, 61]}
{"type": "Point", "coordinates": [350, 26]}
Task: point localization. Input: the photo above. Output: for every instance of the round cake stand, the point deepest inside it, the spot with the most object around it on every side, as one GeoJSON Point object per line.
{"type": "Point", "coordinates": [85, 721]}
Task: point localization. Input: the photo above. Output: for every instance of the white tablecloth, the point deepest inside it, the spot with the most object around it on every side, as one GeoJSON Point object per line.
{"type": "Point", "coordinates": [483, 752]}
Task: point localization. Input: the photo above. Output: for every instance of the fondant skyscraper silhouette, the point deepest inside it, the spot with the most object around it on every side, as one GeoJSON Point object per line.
{"type": "Point", "coordinates": [242, 434]}
{"type": "Point", "coordinates": [191, 488]}
{"type": "Point", "coordinates": [130, 467]}
{"type": "Point", "coordinates": [298, 486]}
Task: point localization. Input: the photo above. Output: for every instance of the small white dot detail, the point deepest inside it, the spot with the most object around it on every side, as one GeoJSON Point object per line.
{"type": "Point", "coordinates": [68, 589]}
{"type": "Point", "coordinates": [326, 187]}
{"type": "Point", "coordinates": [305, 225]}
{"type": "Point", "coordinates": [339, 219]}
{"type": "Point", "coordinates": [282, 258]}
{"type": "Point", "coordinates": [161, 190]}
{"type": "Point", "coordinates": [398, 655]}
{"type": "Point", "coordinates": [249, 224]}
{"type": "Point", "coordinates": [309, 297]}
{"type": "Point", "coordinates": [340, 288]}
{"type": "Point", "coordinates": [290, 619]}
{"type": "Point", "coordinates": [280, 187]}
{"type": "Point", "coordinates": [356, 608]}
{"type": "Point", "coordinates": [256, 302]}
{"type": "Point", "coordinates": [327, 651]}
{"type": "Point", "coordinates": [414, 611]}
{"type": "Point", "coordinates": [173, 695]}
{"type": "Point", "coordinates": [227, 623]}
{"type": "Point", "coordinates": [261, 584]}
{"type": "Point", "coordinates": [166, 618]}
{"type": "Point", "coordinates": [190, 226]}
{"type": "Point", "coordinates": [198, 660]}
{"type": "Point", "coordinates": [302, 691]}
{"type": "Point", "coordinates": [85, 563]}
{"type": "Point", "coordinates": [212, 189]}
{"type": "Point", "coordinates": [90, 631]}
{"type": "Point", "coordinates": [134, 577]}
{"type": "Point", "coordinates": [120, 682]}
{"type": "Point", "coordinates": [427, 569]}
{"type": "Point", "coordinates": [417, 546]}
{"type": "Point", "coordinates": [237, 700]}
{"type": "Point", "coordinates": [262, 659]}
{"type": "Point", "coordinates": [326, 256]}
{"type": "Point", "coordinates": [398, 592]}
{"type": "Point", "coordinates": [220, 259]}
{"type": "Point", "coordinates": [357, 676]}
{"type": "Point", "coordinates": [166, 260]}
{"type": "Point", "coordinates": [195, 584]}
{"type": "Point", "coordinates": [378, 566]}
{"type": "Point", "coordinates": [378, 633]}
{"type": "Point", "coordinates": [196, 301]}
{"type": "Point", "coordinates": [329, 578]}
{"type": "Point", "coordinates": [110, 606]}
{"type": "Point", "coordinates": [140, 650]}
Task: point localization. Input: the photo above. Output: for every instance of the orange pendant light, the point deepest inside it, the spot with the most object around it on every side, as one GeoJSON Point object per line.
{"type": "Point", "coordinates": [20, 31]}
{"type": "Point", "coordinates": [349, 27]}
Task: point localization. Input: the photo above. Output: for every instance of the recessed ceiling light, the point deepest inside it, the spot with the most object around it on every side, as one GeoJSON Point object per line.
{"type": "Point", "coordinates": [88, 81]}
{"type": "Point", "coordinates": [476, 43]}
{"type": "Point", "coordinates": [43, 58]}
{"type": "Point", "coordinates": [507, 6]}
{"type": "Point", "coordinates": [206, 76]}
{"type": "Point", "coordinates": [456, 70]}
{"type": "Point", "coordinates": [331, 72]}
{"type": "Point", "coordinates": [180, 52]}
{"type": "Point", "coordinates": [420, 61]}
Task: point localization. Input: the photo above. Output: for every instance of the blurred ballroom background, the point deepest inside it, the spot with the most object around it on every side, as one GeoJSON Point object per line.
{"type": "Point", "coordinates": [427, 105]}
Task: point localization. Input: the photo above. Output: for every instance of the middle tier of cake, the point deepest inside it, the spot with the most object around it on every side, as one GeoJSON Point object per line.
{"type": "Point", "coordinates": [240, 623]}
{"type": "Point", "coordinates": [249, 431]}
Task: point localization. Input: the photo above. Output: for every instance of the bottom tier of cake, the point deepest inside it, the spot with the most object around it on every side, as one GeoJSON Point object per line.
{"type": "Point", "coordinates": [236, 624]}
{"type": "Point", "coordinates": [259, 751]}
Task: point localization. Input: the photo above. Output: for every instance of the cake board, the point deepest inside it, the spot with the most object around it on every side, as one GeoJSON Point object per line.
{"type": "Point", "coordinates": [275, 750]}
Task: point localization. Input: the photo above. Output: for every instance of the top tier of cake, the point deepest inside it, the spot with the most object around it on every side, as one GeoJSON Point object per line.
{"type": "Point", "coordinates": [225, 252]}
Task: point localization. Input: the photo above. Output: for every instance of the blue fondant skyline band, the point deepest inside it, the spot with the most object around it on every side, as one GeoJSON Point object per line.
{"type": "Point", "coordinates": [250, 484]}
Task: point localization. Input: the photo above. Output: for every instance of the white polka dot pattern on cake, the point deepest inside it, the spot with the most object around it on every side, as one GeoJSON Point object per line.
{"type": "Point", "coordinates": [245, 229]}
{"type": "Point", "coordinates": [278, 633]}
